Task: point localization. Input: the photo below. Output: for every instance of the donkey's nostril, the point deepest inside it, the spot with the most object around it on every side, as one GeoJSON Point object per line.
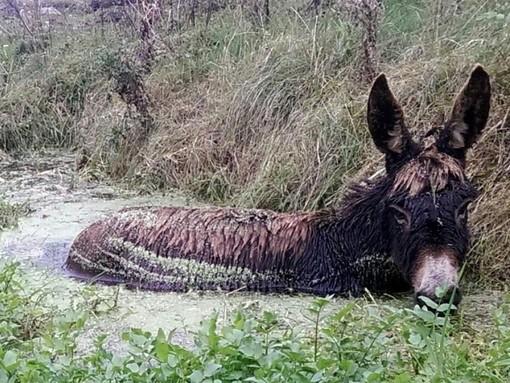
{"type": "Point", "coordinates": [436, 272]}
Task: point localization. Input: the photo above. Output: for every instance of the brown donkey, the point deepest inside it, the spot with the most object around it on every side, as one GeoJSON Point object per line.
{"type": "Point", "coordinates": [406, 228]}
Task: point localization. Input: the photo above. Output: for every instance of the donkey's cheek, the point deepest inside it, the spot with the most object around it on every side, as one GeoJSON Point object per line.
{"type": "Point", "coordinates": [433, 269]}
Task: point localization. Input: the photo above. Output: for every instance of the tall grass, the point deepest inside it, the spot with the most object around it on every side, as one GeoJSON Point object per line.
{"type": "Point", "coordinates": [269, 115]}
{"type": "Point", "coordinates": [45, 91]}
{"type": "Point", "coordinates": [9, 214]}
{"type": "Point", "coordinates": [270, 122]}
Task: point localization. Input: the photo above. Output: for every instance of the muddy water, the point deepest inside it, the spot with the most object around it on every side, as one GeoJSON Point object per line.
{"type": "Point", "coordinates": [62, 204]}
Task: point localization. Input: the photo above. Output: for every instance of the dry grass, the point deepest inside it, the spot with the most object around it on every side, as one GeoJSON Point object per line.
{"type": "Point", "coordinates": [9, 214]}
{"type": "Point", "coordinates": [491, 215]}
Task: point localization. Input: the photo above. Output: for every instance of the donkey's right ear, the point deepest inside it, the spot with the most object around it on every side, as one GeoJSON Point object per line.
{"type": "Point", "coordinates": [469, 115]}
{"type": "Point", "coordinates": [386, 120]}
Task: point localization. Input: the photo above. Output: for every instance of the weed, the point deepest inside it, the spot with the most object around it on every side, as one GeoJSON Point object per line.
{"type": "Point", "coordinates": [356, 341]}
{"type": "Point", "coordinates": [9, 214]}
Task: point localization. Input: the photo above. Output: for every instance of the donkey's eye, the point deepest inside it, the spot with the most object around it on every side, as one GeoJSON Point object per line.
{"type": "Point", "coordinates": [402, 216]}
{"type": "Point", "coordinates": [461, 212]}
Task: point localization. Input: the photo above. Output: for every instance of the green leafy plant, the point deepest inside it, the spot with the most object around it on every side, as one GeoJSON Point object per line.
{"type": "Point", "coordinates": [338, 341]}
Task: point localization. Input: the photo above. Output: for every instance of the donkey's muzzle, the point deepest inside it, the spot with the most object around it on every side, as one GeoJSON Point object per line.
{"type": "Point", "coordinates": [435, 276]}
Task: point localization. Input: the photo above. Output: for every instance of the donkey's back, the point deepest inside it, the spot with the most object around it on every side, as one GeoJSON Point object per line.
{"type": "Point", "coordinates": [173, 248]}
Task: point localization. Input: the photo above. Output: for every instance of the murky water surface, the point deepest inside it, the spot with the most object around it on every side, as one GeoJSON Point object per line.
{"type": "Point", "coordinates": [63, 204]}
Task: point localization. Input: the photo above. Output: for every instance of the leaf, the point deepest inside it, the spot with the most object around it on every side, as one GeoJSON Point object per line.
{"type": "Point", "coordinates": [162, 350]}
{"type": "Point", "coordinates": [444, 307]}
{"type": "Point", "coordinates": [161, 335]}
{"type": "Point", "coordinates": [324, 363]}
{"type": "Point", "coordinates": [117, 361]}
{"type": "Point", "coordinates": [349, 367]}
{"type": "Point", "coordinates": [373, 377]}
{"type": "Point", "coordinates": [299, 377]}
{"type": "Point", "coordinates": [10, 358]}
{"type": "Point", "coordinates": [172, 360]}
{"type": "Point", "coordinates": [138, 339]}
{"type": "Point", "coordinates": [428, 302]}
{"type": "Point", "coordinates": [415, 339]}
{"type": "Point", "coordinates": [402, 378]}
{"type": "Point", "coordinates": [270, 318]}
{"type": "Point", "coordinates": [270, 358]}
{"type": "Point", "coordinates": [4, 378]}
{"type": "Point", "coordinates": [251, 348]}
{"type": "Point", "coordinates": [65, 360]}
{"type": "Point", "coordinates": [211, 369]}
{"type": "Point", "coordinates": [196, 377]}
{"type": "Point", "coordinates": [317, 377]}
{"type": "Point", "coordinates": [253, 379]}
{"type": "Point", "coordinates": [426, 315]}
{"type": "Point", "coordinates": [133, 367]}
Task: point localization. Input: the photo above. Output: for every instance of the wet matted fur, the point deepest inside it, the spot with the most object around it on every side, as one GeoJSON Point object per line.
{"type": "Point", "coordinates": [406, 228]}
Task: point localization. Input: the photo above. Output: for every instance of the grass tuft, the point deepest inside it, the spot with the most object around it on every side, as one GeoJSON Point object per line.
{"type": "Point", "coordinates": [9, 214]}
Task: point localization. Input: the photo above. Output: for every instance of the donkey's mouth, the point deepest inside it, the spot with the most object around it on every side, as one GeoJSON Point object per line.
{"type": "Point", "coordinates": [436, 273]}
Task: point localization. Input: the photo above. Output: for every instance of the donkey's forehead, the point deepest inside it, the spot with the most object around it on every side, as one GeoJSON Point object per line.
{"type": "Point", "coordinates": [430, 170]}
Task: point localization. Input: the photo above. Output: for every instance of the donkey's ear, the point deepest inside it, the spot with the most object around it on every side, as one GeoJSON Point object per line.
{"type": "Point", "coordinates": [469, 115]}
{"type": "Point", "coordinates": [386, 119]}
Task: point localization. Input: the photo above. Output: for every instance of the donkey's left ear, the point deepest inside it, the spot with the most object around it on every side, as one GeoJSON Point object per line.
{"type": "Point", "coordinates": [469, 115]}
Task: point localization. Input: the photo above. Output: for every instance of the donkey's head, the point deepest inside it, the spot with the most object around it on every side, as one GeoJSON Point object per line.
{"type": "Point", "coordinates": [426, 207]}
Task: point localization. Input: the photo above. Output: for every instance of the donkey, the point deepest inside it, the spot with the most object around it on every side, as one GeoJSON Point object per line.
{"type": "Point", "coordinates": [405, 229]}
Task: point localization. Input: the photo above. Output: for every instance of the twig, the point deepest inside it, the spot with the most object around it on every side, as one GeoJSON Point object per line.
{"type": "Point", "coordinates": [15, 7]}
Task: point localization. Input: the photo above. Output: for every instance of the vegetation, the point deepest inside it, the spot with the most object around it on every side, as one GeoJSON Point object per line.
{"type": "Point", "coordinates": [9, 214]}
{"type": "Point", "coordinates": [356, 342]}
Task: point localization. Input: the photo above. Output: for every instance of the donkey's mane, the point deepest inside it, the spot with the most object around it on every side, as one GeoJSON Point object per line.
{"type": "Point", "coordinates": [431, 169]}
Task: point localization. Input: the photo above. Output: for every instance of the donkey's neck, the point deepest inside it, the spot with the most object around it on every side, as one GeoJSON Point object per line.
{"type": "Point", "coordinates": [362, 239]}
{"type": "Point", "coordinates": [359, 221]}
